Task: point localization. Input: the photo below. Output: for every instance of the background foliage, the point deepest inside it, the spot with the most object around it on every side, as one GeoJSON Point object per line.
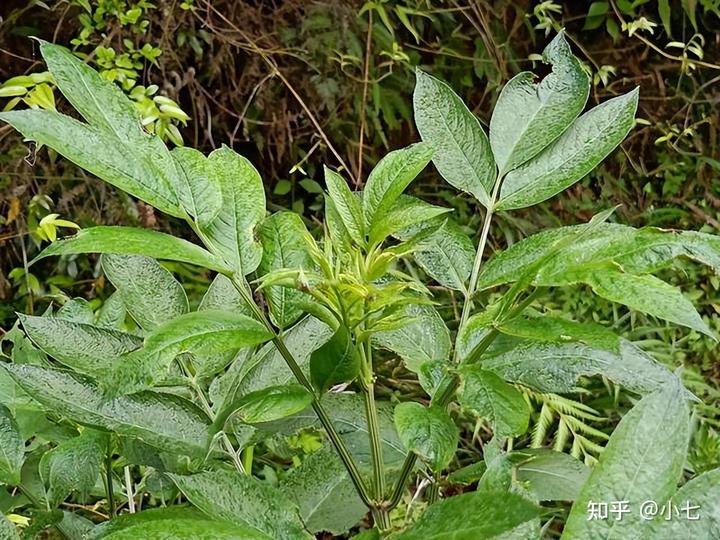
{"type": "Point", "coordinates": [294, 84]}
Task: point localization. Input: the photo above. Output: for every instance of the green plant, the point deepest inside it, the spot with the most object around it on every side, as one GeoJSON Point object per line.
{"type": "Point", "coordinates": [188, 396]}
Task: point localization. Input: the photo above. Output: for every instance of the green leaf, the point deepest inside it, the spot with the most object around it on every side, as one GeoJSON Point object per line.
{"type": "Point", "coordinates": [556, 367]}
{"type": "Point", "coordinates": [698, 497]}
{"type": "Point", "coordinates": [131, 241]}
{"type": "Point", "coordinates": [488, 396]}
{"type": "Point", "coordinates": [643, 460]}
{"type": "Point", "coordinates": [550, 475]}
{"type": "Point", "coordinates": [529, 116]}
{"type": "Point", "coordinates": [200, 332]}
{"type": "Point", "coordinates": [266, 405]}
{"type": "Point", "coordinates": [596, 15]}
{"type": "Point", "coordinates": [160, 420]}
{"type": "Point", "coordinates": [428, 432]}
{"type": "Point", "coordinates": [73, 465]}
{"type": "Point", "coordinates": [664, 13]}
{"type": "Point", "coordinates": [112, 313]}
{"type": "Point", "coordinates": [462, 152]}
{"type": "Point", "coordinates": [572, 155]}
{"type": "Point", "coordinates": [162, 515]}
{"type": "Point", "coordinates": [556, 330]}
{"type": "Point", "coordinates": [423, 339]}
{"type": "Point", "coordinates": [187, 529]}
{"type": "Point", "coordinates": [100, 153]}
{"type": "Point", "coordinates": [390, 177]}
{"type": "Point", "coordinates": [84, 348]}
{"type": "Point", "coordinates": [244, 501]}
{"type": "Point", "coordinates": [233, 232]}
{"type": "Point", "coordinates": [326, 497]}
{"type": "Point", "coordinates": [12, 449]}
{"type": "Point", "coordinates": [405, 212]}
{"type": "Point", "coordinates": [283, 237]}
{"type": "Point", "coordinates": [198, 191]}
{"type": "Point", "coordinates": [336, 361]}
{"type": "Point", "coordinates": [471, 516]}
{"type": "Point", "coordinates": [347, 205]}
{"type": "Point", "coordinates": [647, 294]}
{"type": "Point", "coordinates": [8, 531]}
{"type": "Point", "coordinates": [149, 292]}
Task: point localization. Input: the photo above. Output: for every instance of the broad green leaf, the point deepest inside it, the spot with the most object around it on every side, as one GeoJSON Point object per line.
{"type": "Point", "coordinates": [643, 460]}
{"type": "Point", "coordinates": [149, 292]}
{"type": "Point", "coordinates": [82, 347]}
{"type": "Point", "coordinates": [423, 339]}
{"type": "Point", "coordinates": [8, 531]}
{"type": "Point", "coordinates": [160, 420]}
{"type": "Point", "coordinates": [198, 191]}
{"type": "Point", "coordinates": [283, 237]}
{"type": "Point", "coordinates": [699, 497]}
{"type": "Point", "coordinates": [200, 332]}
{"type": "Point", "coordinates": [12, 448]}
{"type": "Point", "coordinates": [462, 152]}
{"type": "Point", "coordinates": [468, 475]}
{"type": "Point", "coordinates": [112, 313]}
{"type": "Point", "coordinates": [336, 230]}
{"type": "Point", "coordinates": [131, 241]}
{"type": "Point", "coordinates": [405, 212]}
{"type": "Point", "coordinates": [529, 116]}
{"type": "Point", "coordinates": [244, 501]}
{"type": "Point", "coordinates": [151, 515]}
{"type": "Point", "coordinates": [471, 516]}
{"type": "Point", "coordinates": [336, 361]}
{"type": "Point", "coordinates": [571, 156]}
{"type": "Point", "coordinates": [428, 432]}
{"type": "Point", "coordinates": [323, 492]}
{"type": "Point", "coordinates": [490, 397]}
{"type": "Point", "coordinates": [266, 405]}
{"type": "Point", "coordinates": [187, 529]}
{"type": "Point", "coordinates": [347, 205]}
{"type": "Point", "coordinates": [389, 179]}
{"type": "Point", "coordinates": [98, 152]}
{"type": "Point", "coordinates": [73, 465]}
{"type": "Point", "coordinates": [648, 294]}
{"type": "Point", "coordinates": [77, 310]}
{"type": "Point", "coordinates": [550, 475]}
{"type": "Point", "coordinates": [556, 367]}
{"type": "Point", "coordinates": [556, 330]}
{"type": "Point", "coordinates": [233, 231]}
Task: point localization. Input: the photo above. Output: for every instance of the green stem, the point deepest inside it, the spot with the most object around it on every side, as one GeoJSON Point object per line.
{"type": "Point", "coordinates": [247, 458]}
{"type": "Point", "coordinates": [242, 287]}
{"type": "Point", "coordinates": [109, 480]}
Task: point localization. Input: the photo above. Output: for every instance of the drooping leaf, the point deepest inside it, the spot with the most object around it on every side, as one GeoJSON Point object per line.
{"type": "Point", "coordinates": [131, 241]}
{"type": "Point", "coordinates": [428, 432]}
{"type": "Point", "coordinates": [405, 212]}
{"type": "Point", "coordinates": [642, 461]}
{"type": "Point", "coordinates": [12, 448]}
{"type": "Point", "coordinates": [323, 492]}
{"type": "Point", "coordinates": [283, 237]}
{"type": "Point", "coordinates": [233, 231]}
{"type": "Point", "coordinates": [149, 292]}
{"type": "Point", "coordinates": [529, 116]}
{"type": "Point", "coordinates": [556, 367]}
{"type": "Point", "coordinates": [84, 348]}
{"type": "Point", "coordinates": [266, 405]}
{"type": "Point", "coordinates": [347, 205]}
{"type": "Point", "coordinates": [572, 155]}
{"type": "Point", "coordinates": [490, 397]}
{"type": "Point", "coordinates": [198, 190]}
{"type": "Point", "coordinates": [389, 179]}
{"type": "Point", "coordinates": [696, 499]}
{"type": "Point", "coordinates": [244, 501]}
{"type": "Point", "coordinates": [471, 516]}
{"type": "Point", "coordinates": [73, 465]}
{"type": "Point", "coordinates": [550, 475]}
{"type": "Point", "coordinates": [423, 339]}
{"type": "Point", "coordinates": [335, 362]}
{"type": "Point", "coordinates": [648, 294]}
{"type": "Point", "coordinates": [160, 420]}
{"type": "Point", "coordinates": [204, 332]}
{"type": "Point", "coordinates": [462, 152]}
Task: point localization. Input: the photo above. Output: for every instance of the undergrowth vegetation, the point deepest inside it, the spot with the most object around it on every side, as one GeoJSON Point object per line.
{"type": "Point", "coordinates": [331, 337]}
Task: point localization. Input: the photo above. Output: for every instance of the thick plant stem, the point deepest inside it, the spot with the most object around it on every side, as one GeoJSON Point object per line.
{"type": "Point", "coordinates": [108, 478]}
{"type": "Point", "coordinates": [242, 287]}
